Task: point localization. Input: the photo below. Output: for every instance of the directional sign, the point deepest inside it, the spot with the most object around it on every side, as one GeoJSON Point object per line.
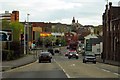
{"type": "Point", "coordinates": [6, 35]}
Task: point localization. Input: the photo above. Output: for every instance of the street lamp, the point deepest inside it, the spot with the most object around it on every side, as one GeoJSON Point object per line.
{"type": "Point", "coordinates": [28, 26]}
{"type": "Point", "coordinates": [27, 47]}
{"type": "Point", "coordinates": [26, 32]}
{"type": "Point", "coordinates": [25, 38]}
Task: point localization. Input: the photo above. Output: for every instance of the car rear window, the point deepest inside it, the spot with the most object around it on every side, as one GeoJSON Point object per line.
{"type": "Point", "coordinates": [46, 53]}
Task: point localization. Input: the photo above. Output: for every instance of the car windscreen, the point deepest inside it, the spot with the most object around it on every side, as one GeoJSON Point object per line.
{"type": "Point", "coordinates": [89, 54]}
{"type": "Point", "coordinates": [73, 52]}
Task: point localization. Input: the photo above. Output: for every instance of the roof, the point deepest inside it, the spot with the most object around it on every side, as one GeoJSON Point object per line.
{"type": "Point", "coordinates": [95, 40]}
{"type": "Point", "coordinates": [90, 36]}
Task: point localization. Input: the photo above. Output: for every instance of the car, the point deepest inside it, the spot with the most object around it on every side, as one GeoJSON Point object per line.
{"type": "Point", "coordinates": [89, 57]}
{"type": "Point", "coordinates": [51, 51]}
{"type": "Point", "coordinates": [68, 47]}
{"type": "Point", "coordinates": [66, 53]}
{"type": "Point", "coordinates": [45, 56]}
{"type": "Point", "coordinates": [57, 50]}
{"type": "Point", "coordinates": [73, 54]}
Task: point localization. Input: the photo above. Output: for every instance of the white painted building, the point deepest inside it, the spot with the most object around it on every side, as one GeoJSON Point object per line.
{"type": "Point", "coordinates": [96, 43]}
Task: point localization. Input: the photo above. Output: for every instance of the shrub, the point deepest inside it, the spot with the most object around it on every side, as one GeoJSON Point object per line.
{"type": "Point", "coordinates": [14, 51]}
{"type": "Point", "coordinates": [7, 55]}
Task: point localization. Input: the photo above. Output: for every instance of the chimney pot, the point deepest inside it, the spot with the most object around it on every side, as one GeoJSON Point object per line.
{"type": "Point", "coordinates": [110, 3]}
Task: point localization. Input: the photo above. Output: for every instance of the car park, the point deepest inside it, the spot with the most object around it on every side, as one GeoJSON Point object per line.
{"type": "Point", "coordinates": [73, 54]}
{"type": "Point", "coordinates": [45, 56]}
{"type": "Point", "coordinates": [89, 56]}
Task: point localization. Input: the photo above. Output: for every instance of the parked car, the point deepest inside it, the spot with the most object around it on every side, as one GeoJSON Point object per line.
{"type": "Point", "coordinates": [51, 51]}
{"type": "Point", "coordinates": [45, 56]}
{"type": "Point", "coordinates": [89, 57]}
{"type": "Point", "coordinates": [73, 54]}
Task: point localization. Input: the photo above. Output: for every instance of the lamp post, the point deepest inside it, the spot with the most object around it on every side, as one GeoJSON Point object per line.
{"type": "Point", "coordinates": [28, 30]}
{"type": "Point", "coordinates": [25, 38]}
{"type": "Point", "coordinates": [28, 26]}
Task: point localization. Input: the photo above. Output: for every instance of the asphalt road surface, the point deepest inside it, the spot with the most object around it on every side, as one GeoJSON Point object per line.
{"type": "Point", "coordinates": [62, 67]}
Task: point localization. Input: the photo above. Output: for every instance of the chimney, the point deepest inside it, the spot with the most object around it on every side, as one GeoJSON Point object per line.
{"type": "Point", "coordinates": [6, 12]}
{"type": "Point", "coordinates": [106, 7]}
{"type": "Point", "coordinates": [119, 3]}
{"type": "Point", "coordinates": [110, 4]}
{"type": "Point", "coordinates": [77, 21]}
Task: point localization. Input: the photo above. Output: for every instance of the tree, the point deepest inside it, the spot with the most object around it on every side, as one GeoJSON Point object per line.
{"type": "Point", "coordinates": [5, 25]}
{"type": "Point", "coordinates": [18, 29]}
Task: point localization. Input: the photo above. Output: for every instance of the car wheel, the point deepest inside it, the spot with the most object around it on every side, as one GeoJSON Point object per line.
{"type": "Point", "coordinates": [50, 60]}
{"type": "Point", "coordinates": [39, 61]}
{"type": "Point", "coordinates": [84, 61]}
{"type": "Point", "coordinates": [68, 57]}
{"type": "Point", "coordinates": [94, 62]}
{"type": "Point", "coordinates": [76, 57]}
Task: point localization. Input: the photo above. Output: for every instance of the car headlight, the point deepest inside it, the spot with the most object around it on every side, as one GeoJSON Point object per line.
{"type": "Point", "coordinates": [77, 54]}
{"type": "Point", "coordinates": [70, 54]}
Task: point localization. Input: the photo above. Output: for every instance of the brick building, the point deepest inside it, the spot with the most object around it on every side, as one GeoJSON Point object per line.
{"type": "Point", "coordinates": [10, 17]}
{"type": "Point", "coordinates": [111, 33]}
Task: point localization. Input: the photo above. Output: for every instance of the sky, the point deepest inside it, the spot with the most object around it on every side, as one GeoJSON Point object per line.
{"type": "Point", "coordinates": [87, 12]}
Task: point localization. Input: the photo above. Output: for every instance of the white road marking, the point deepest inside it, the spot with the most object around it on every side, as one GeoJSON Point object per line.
{"type": "Point", "coordinates": [5, 66]}
{"type": "Point", "coordinates": [72, 65]}
{"type": "Point", "coordinates": [116, 73]}
{"type": "Point", "coordinates": [19, 67]}
{"type": "Point", "coordinates": [62, 69]}
{"type": "Point", "coordinates": [105, 70]}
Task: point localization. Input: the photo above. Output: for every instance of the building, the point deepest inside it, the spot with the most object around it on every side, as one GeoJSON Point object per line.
{"type": "Point", "coordinates": [15, 16]}
{"type": "Point", "coordinates": [75, 26]}
{"type": "Point", "coordinates": [111, 33]}
{"type": "Point", "coordinates": [35, 28]}
{"type": "Point", "coordinates": [10, 17]}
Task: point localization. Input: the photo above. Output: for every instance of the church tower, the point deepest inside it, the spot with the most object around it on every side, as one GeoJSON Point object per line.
{"type": "Point", "coordinates": [73, 21]}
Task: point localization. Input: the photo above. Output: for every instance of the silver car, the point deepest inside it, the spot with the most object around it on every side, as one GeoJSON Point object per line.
{"type": "Point", "coordinates": [89, 57]}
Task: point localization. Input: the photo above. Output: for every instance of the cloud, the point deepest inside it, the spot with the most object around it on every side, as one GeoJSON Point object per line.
{"type": "Point", "coordinates": [86, 11]}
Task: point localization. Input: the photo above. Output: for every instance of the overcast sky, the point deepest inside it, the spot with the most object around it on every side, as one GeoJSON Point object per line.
{"type": "Point", "coordinates": [87, 12]}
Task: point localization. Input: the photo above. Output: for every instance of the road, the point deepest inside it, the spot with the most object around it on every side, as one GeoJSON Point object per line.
{"type": "Point", "coordinates": [62, 67]}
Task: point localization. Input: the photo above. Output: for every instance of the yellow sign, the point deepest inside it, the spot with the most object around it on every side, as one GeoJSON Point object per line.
{"type": "Point", "coordinates": [45, 34]}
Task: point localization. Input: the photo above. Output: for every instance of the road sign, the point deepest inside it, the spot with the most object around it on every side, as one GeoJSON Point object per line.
{"type": "Point", "coordinates": [6, 35]}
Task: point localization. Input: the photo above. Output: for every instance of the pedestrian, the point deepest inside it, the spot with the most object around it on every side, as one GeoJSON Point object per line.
{"type": "Point", "coordinates": [33, 45]}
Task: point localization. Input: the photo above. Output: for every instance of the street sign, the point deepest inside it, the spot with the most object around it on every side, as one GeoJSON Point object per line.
{"type": "Point", "coordinates": [6, 35]}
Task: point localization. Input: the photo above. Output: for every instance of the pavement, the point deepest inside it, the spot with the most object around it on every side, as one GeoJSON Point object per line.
{"type": "Point", "coordinates": [111, 62]}
{"type": "Point", "coordinates": [27, 59]}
